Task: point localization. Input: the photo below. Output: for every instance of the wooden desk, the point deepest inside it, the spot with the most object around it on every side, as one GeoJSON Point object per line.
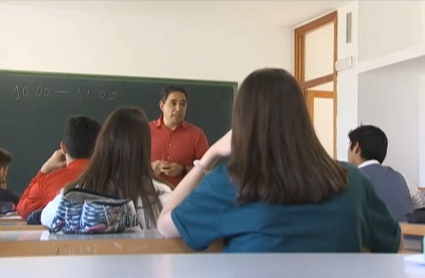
{"type": "Point", "coordinates": [41, 243]}
{"type": "Point", "coordinates": [215, 266]}
{"type": "Point", "coordinates": [413, 229]}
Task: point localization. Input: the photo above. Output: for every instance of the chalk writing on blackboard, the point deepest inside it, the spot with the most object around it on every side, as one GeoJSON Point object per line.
{"type": "Point", "coordinates": [39, 91]}
{"type": "Point", "coordinates": [79, 95]}
{"type": "Point", "coordinates": [16, 91]}
{"type": "Point", "coordinates": [25, 92]}
{"type": "Point", "coordinates": [112, 96]}
{"type": "Point", "coordinates": [102, 95]}
{"type": "Point", "coordinates": [46, 91]}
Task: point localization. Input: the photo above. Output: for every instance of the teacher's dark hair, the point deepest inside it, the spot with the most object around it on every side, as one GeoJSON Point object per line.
{"type": "Point", "coordinates": [276, 156]}
{"type": "Point", "coordinates": [172, 89]}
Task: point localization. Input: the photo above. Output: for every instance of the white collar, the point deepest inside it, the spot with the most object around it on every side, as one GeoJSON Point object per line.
{"type": "Point", "coordinates": [369, 162]}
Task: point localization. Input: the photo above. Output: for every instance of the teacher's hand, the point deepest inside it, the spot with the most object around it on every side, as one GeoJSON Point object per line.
{"type": "Point", "coordinates": [172, 169]}
{"type": "Point", "coordinates": [156, 166]}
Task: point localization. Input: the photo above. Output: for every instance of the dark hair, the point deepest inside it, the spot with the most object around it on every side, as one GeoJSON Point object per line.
{"type": "Point", "coordinates": [171, 89]}
{"type": "Point", "coordinates": [80, 136]}
{"type": "Point", "coordinates": [276, 156]}
{"type": "Point", "coordinates": [372, 141]}
{"type": "Point", "coordinates": [120, 165]}
{"type": "Point", "coordinates": [5, 158]}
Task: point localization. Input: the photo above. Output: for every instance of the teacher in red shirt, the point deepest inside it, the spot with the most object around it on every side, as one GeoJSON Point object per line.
{"type": "Point", "coordinates": [175, 142]}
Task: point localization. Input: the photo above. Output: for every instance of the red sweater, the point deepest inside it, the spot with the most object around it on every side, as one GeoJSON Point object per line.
{"type": "Point", "coordinates": [44, 187]}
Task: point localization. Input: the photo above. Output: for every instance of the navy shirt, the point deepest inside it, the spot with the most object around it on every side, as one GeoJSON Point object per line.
{"type": "Point", "coordinates": [346, 222]}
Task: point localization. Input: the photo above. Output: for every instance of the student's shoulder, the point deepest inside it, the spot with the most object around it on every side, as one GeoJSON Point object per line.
{"type": "Point", "coordinates": [392, 170]}
{"type": "Point", "coordinates": [58, 173]}
{"type": "Point", "coordinates": [353, 170]}
{"type": "Point", "coordinates": [356, 178]}
{"type": "Point", "coordinates": [218, 186]}
{"type": "Point", "coordinates": [219, 177]}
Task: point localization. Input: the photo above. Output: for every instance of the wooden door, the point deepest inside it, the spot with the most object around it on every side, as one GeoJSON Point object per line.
{"type": "Point", "coordinates": [320, 105]}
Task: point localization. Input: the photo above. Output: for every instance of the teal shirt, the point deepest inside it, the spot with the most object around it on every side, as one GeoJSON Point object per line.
{"type": "Point", "coordinates": [346, 222]}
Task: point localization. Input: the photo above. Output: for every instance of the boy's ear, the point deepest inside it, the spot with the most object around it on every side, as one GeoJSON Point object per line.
{"type": "Point", "coordinates": [356, 148]}
{"type": "Point", "coordinates": [63, 147]}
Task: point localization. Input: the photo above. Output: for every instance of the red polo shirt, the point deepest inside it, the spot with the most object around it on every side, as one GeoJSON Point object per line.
{"type": "Point", "coordinates": [183, 145]}
{"type": "Point", "coordinates": [44, 187]}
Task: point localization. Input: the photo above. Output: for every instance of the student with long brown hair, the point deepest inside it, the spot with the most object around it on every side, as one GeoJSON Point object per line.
{"type": "Point", "coordinates": [280, 191]}
{"type": "Point", "coordinates": [120, 167]}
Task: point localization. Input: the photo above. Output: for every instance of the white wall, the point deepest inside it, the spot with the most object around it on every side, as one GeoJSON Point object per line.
{"type": "Point", "coordinates": [386, 27]}
{"type": "Point", "coordinates": [421, 129]}
{"type": "Point", "coordinates": [69, 40]}
{"type": "Point", "coordinates": [391, 89]}
{"type": "Point", "coordinates": [390, 98]}
{"type": "Point", "coordinates": [347, 83]}
{"type": "Point", "coordinates": [422, 23]}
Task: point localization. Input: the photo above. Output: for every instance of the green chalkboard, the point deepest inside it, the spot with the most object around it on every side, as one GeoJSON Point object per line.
{"type": "Point", "coordinates": [34, 107]}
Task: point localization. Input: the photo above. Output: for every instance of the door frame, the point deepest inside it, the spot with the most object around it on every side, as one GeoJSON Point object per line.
{"type": "Point", "coordinates": [300, 33]}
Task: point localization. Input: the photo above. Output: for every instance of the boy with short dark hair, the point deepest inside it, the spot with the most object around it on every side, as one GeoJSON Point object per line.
{"type": "Point", "coordinates": [63, 167]}
{"type": "Point", "coordinates": [367, 150]}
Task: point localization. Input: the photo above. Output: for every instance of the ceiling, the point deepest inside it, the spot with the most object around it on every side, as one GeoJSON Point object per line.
{"type": "Point", "coordinates": [276, 13]}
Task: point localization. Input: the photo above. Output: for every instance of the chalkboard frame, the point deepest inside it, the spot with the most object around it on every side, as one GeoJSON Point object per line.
{"type": "Point", "coordinates": [107, 77]}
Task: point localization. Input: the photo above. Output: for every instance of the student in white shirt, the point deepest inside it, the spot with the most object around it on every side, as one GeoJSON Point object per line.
{"type": "Point", "coordinates": [120, 166]}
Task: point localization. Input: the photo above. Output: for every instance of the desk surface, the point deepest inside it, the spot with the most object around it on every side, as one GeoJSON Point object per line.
{"type": "Point", "coordinates": [215, 265]}
{"type": "Point", "coordinates": [41, 243]}
{"type": "Point", "coordinates": [41, 235]}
